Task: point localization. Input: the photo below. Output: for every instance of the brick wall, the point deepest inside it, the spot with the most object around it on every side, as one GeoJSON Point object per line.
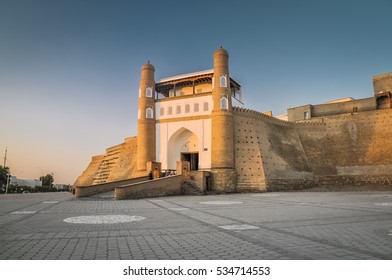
{"type": "Point", "coordinates": [268, 153]}
{"type": "Point", "coordinates": [81, 191]}
{"type": "Point", "coordinates": [271, 154]}
{"type": "Point", "coordinates": [118, 163]}
{"type": "Point", "coordinates": [352, 148]}
{"type": "Point", "coordinates": [171, 185]}
{"type": "Point", "coordinates": [88, 175]}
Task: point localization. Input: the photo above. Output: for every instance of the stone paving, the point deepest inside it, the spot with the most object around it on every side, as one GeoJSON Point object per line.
{"type": "Point", "coordinates": [284, 225]}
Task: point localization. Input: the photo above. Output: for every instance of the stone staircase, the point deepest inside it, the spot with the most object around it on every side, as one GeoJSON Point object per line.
{"type": "Point", "coordinates": [191, 187]}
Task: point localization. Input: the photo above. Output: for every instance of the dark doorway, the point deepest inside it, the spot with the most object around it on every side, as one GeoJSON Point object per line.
{"type": "Point", "coordinates": [193, 158]}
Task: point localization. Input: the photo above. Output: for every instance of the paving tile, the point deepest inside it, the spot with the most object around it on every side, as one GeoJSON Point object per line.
{"type": "Point", "coordinates": [277, 226]}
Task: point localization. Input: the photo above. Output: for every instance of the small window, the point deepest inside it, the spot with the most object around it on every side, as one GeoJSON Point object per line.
{"type": "Point", "coordinates": [306, 115]}
{"type": "Point", "coordinates": [187, 108]}
{"type": "Point", "coordinates": [162, 111]}
{"type": "Point", "coordinates": [148, 92]}
{"type": "Point", "coordinates": [170, 110]}
{"type": "Point", "coordinates": [223, 81]}
{"type": "Point", "coordinates": [196, 107]}
{"type": "Point", "coordinates": [178, 109]}
{"type": "Point", "coordinates": [149, 113]}
{"type": "Point", "coordinates": [224, 103]}
{"type": "Point", "coordinates": [355, 109]}
{"type": "Point", "coordinates": [205, 106]}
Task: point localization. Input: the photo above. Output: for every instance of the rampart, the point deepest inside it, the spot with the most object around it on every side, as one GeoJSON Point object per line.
{"type": "Point", "coordinates": [272, 154]}
{"type": "Point", "coordinates": [118, 163]}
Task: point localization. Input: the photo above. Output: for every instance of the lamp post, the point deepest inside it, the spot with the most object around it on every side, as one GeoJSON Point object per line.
{"type": "Point", "coordinates": [8, 183]}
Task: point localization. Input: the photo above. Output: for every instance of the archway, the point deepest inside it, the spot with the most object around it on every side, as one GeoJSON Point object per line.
{"type": "Point", "coordinates": [183, 145]}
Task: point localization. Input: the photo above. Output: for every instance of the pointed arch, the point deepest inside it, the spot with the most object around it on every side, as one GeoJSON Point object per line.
{"type": "Point", "coordinates": [182, 141]}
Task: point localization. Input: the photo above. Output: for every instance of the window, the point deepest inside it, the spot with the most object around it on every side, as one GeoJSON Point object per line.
{"type": "Point", "coordinates": [148, 92]}
{"type": "Point", "coordinates": [169, 110]}
{"type": "Point", "coordinates": [306, 115]}
{"type": "Point", "coordinates": [224, 103]}
{"type": "Point", "coordinates": [178, 109]}
{"type": "Point", "coordinates": [223, 81]}
{"type": "Point", "coordinates": [205, 106]}
{"type": "Point", "coordinates": [149, 113]}
{"type": "Point", "coordinates": [196, 107]}
{"type": "Point", "coordinates": [187, 108]}
{"type": "Point", "coordinates": [162, 111]}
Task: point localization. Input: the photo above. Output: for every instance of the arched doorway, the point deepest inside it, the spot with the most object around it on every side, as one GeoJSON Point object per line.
{"type": "Point", "coordinates": [184, 146]}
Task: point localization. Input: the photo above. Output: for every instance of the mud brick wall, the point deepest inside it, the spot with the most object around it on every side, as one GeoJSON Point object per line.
{"type": "Point", "coordinates": [271, 154]}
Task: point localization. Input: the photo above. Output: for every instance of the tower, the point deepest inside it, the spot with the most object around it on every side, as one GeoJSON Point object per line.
{"type": "Point", "coordinates": [222, 150]}
{"type": "Point", "coordinates": [146, 138]}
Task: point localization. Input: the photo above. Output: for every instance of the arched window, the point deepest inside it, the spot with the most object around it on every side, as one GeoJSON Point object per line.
{"type": "Point", "coordinates": [187, 108]}
{"type": "Point", "coordinates": [205, 106]}
{"type": "Point", "coordinates": [178, 109]}
{"type": "Point", "coordinates": [224, 103]}
{"type": "Point", "coordinates": [196, 107]}
{"type": "Point", "coordinates": [223, 81]}
{"type": "Point", "coordinates": [138, 114]}
{"type": "Point", "coordinates": [149, 113]}
{"type": "Point", "coordinates": [169, 110]}
{"type": "Point", "coordinates": [148, 92]}
{"type": "Point", "coordinates": [162, 111]}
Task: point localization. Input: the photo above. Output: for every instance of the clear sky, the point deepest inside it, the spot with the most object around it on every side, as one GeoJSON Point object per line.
{"type": "Point", "coordinates": [69, 70]}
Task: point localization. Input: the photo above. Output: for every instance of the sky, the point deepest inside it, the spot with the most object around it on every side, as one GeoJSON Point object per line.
{"type": "Point", "coordinates": [70, 69]}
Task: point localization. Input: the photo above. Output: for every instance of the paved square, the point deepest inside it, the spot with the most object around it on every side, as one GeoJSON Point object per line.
{"type": "Point", "coordinates": [287, 225]}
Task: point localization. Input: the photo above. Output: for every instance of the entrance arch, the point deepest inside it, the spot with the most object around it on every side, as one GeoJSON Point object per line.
{"type": "Point", "coordinates": [183, 145]}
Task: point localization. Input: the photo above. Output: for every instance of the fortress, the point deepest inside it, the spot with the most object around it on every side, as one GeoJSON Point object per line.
{"type": "Point", "coordinates": [197, 125]}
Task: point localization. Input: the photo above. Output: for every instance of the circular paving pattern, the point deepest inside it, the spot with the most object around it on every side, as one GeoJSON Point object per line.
{"type": "Point", "coordinates": [103, 219]}
{"type": "Point", "coordinates": [221, 202]}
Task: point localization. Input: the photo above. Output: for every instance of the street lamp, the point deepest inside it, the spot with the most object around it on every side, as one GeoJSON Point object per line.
{"type": "Point", "coordinates": [8, 183]}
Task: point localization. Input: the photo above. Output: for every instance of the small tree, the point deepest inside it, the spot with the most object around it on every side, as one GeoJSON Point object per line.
{"type": "Point", "coordinates": [4, 173]}
{"type": "Point", "coordinates": [47, 180]}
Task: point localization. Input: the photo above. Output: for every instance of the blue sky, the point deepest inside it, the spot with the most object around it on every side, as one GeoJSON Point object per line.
{"type": "Point", "coordinates": [69, 70]}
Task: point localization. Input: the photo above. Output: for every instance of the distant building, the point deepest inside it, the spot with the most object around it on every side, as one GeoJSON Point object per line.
{"type": "Point", "coordinates": [25, 182]}
{"type": "Point", "coordinates": [380, 100]}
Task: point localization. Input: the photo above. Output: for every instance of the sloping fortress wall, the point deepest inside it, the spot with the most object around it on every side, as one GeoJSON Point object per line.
{"type": "Point", "coordinates": [353, 148]}
{"type": "Point", "coordinates": [118, 163]}
{"type": "Point", "coordinates": [271, 154]}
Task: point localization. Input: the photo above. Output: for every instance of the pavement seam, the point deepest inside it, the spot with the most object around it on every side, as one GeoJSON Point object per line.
{"type": "Point", "coordinates": [240, 236]}
{"type": "Point", "coordinates": [313, 239]}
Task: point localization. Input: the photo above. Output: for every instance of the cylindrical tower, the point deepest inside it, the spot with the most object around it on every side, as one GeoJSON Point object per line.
{"type": "Point", "coordinates": [146, 139]}
{"type": "Point", "coordinates": [222, 149]}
